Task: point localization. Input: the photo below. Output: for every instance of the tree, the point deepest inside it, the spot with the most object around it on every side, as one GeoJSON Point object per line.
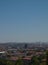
{"type": "Point", "coordinates": [2, 62]}
{"type": "Point", "coordinates": [6, 62]}
{"type": "Point", "coordinates": [19, 62]}
{"type": "Point", "coordinates": [9, 63]}
{"type": "Point", "coordinates": [47, 58]}
{"type": "Point", "coordinates": [34, 61]}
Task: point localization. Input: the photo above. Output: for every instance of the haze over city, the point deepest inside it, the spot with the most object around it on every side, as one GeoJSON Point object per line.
{"type": "Point", "coordinates": [23, 20]}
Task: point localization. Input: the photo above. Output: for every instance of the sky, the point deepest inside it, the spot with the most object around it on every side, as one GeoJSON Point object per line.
{"type": "Point", "coordinates": [23, 20]}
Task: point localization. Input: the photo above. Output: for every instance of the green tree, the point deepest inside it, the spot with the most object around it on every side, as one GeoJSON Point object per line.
{"type": "Point", "coordinates": [34, 61]}
{"type": "Point", "coordinates": [47, 58]}
{"type": "Point", "coordinates": [6, 62]}
{"type": "Point", "coordinates": [9, 63]}
{"type": "Point", "coordinates": [19, 62]}
{"type": "Point", "coordinates": [2, 62]}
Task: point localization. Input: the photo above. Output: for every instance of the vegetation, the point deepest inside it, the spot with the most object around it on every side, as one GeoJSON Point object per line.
{"type": "Point", "coordinates": [6, 62]}
{"type": "Point", "coordinates": [35, 60]}
{"type": "Point", "coordinates": [47, 58]}
{"type": "Point", "coordinates": [19, 62]}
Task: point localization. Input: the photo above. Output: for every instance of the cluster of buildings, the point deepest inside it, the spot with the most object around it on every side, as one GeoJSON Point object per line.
{"type": "Point", "coordinates": [25, 54]}
{"type": "Point", "coordinates": [14, 53]}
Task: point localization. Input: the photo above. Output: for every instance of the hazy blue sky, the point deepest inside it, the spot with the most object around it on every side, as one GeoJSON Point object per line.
{"type": "Point", "coordinates": [23, 20]}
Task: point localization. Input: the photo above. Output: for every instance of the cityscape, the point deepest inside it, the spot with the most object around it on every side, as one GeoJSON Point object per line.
{"type": "Point", "coordinates": [23, 51]}
{"type": "Point", "coordinates": [23, 32]}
